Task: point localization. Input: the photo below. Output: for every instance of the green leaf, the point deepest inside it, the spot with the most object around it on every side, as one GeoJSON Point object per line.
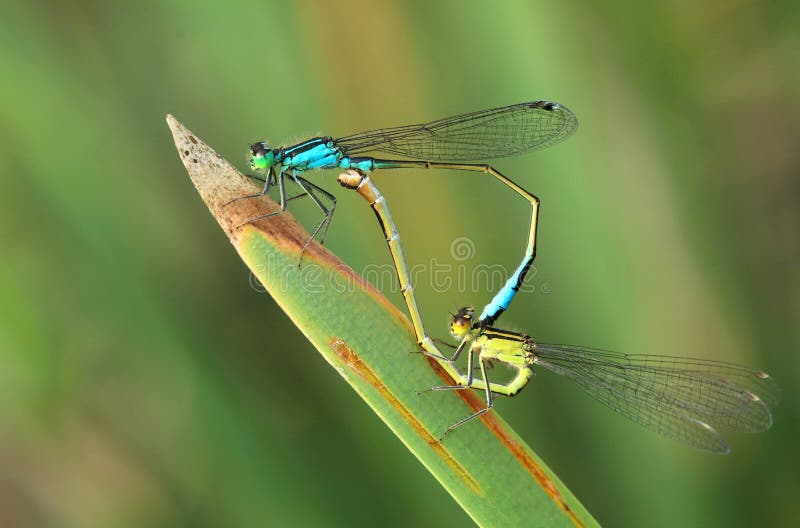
{"type": "Point", "coordinates": [485, 466]}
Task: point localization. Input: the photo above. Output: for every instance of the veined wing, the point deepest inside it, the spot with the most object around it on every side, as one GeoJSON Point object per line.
{"type": "Point", "coordinates": [684, 399]}
{"type": "Point", "coordinates": [486, 134]}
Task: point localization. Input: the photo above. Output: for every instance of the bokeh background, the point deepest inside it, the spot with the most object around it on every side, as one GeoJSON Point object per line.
{"type": "Point", "coordinates": [145, 382]}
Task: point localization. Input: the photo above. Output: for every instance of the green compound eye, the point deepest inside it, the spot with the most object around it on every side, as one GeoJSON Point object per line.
{"type": "Point", "coordinates": [261, 157]}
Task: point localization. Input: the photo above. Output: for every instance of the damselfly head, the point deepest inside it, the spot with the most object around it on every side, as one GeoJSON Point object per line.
{"type": "Point", "coordinates": [261, 157]}
{"type": "Point", "coordinates": [461, 322]}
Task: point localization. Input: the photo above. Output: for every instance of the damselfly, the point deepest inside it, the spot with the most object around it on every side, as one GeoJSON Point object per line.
{"type": "Point", "coordinates": [685, 399]}
{"type": "Point", "coordinates": [448, 143]}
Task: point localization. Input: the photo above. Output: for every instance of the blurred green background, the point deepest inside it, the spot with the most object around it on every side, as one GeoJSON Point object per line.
{"type": "Point", "coordinates": [144, 381]}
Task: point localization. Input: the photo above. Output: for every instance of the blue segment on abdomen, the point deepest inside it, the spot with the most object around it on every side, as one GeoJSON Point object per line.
{"type": "Point", "coordinates": [362, 164]}
{"type": "Point", "coordinates": [506, 294]}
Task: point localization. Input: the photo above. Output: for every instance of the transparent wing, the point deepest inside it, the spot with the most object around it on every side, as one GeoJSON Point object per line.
{"type": "Point", "coordinates": [486, 134]}
{"type": "Point", "coordinates": [684, 399]}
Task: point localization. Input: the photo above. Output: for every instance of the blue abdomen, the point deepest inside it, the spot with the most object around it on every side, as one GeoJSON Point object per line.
{"type": "Point", "coordinates": [362, 164]}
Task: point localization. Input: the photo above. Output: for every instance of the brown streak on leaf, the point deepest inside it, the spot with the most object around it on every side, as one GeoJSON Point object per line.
{"type": "Point", "coordinates": [351, 360]}
{"type": "Point", "coordinates": [519, 452]}
{"type": "Point", "coordinates": [532, 466]}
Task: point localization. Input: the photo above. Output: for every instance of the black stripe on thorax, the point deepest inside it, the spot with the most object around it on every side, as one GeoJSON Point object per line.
{"type": "Point", "coordinates": [304, 146]}
{"type": "Point", "coordinates": [495, 333]}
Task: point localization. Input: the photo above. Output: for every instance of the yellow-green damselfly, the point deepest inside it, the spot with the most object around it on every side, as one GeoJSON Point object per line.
{"type": "Point", "coordinates": [686, 399]}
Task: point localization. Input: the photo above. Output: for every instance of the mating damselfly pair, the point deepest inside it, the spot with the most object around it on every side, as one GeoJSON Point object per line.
{"type": "Point", "coordinates": [682, 398]}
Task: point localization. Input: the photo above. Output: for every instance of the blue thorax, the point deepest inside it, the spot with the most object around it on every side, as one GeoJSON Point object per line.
{"type": "Point", "coordinates": [319, 153]}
